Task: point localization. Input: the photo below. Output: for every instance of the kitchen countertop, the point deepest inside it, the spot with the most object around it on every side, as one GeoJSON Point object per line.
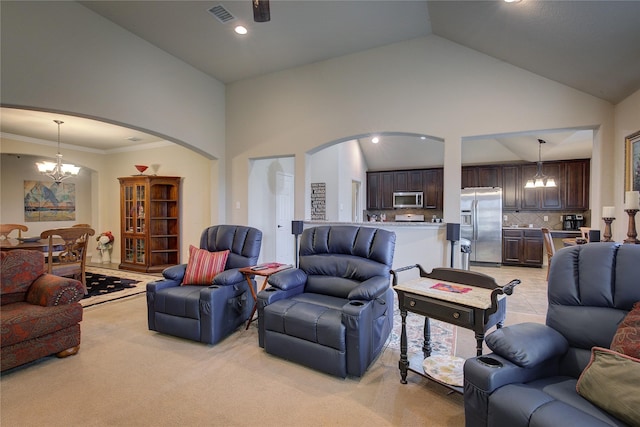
{"type": "Point", "coordinates": [381, 224]}
{"type": "Point", "coordinates": [554, 233]}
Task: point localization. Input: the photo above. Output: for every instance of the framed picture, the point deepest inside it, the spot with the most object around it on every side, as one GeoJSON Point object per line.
{"type": "Point", "coordinates": [48, 201]}
{"type": "Point", "coordinates": [632, 162]}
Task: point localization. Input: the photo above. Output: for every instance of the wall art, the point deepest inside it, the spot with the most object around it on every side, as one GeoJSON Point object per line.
{"type": "Point", "coordinates": [49, 201]}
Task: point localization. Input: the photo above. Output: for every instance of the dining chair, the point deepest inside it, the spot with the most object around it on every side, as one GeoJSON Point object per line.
{"type": "Point", "coordinates": [70, 260]}
{"type": "Point", "coordinates": [585, 232]}
{"type": "Point", "coordinates": [549, 246]}
{"type": "Point", "coordinates": [6, 229]}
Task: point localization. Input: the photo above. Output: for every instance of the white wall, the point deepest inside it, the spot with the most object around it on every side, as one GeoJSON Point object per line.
{"type": "Point", "coordinates": [261, 204]}
{"type": "Point", "coordinates": [99, 180]}
{"type": "Point", "coordinates": [195, 190]}
{"type": "Point", "coordinates": [15, 170]}
{"type": "Point", "coordinates": [627, 122]}
{"type": "Point", "coordinates": [337, 166]}
{"type": "Point", "coordinates": [60, 56]}
{"type": "Point", "coordinates": [425, 86]}
{"type": "Point", "coordinates": [324, 167]}
{"type": "Point", "coordinates": [353, 168]}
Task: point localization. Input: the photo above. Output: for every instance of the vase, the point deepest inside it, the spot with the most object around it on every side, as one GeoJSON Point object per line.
{"type": "Point", "coordinates": [106, 256]}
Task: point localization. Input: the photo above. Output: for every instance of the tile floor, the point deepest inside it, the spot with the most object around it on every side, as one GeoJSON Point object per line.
{"type": "Point", "coordinates": [528, 303]}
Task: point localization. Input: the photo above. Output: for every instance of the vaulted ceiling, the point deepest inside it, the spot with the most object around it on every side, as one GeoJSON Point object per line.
{"type": "Point", "coordinates": [591, 46]}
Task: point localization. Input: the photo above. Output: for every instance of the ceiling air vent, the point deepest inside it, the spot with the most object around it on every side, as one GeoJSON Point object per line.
{"type": "Point", "coordinates": [221, 14]}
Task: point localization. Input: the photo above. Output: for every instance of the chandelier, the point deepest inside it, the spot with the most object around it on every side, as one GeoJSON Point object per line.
{"type": "Point", "coordinates": [540, 180]}
{"type": "Point", "coordinates": [58, 171]}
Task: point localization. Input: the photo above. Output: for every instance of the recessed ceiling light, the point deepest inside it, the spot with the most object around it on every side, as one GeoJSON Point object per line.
{"type": "Point", "coordinates": [375, 139]}
{"type": "Point", "coordinates": [241, 30]}
{"type": "Point", "coordinates": [423, 138]}
{"type": "Point", "coordinates": [512, 1]}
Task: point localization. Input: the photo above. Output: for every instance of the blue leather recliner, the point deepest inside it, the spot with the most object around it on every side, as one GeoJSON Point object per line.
{"type": "Point", "coordinates": [335, 312]}
{"type": "Point", "coordinates": [210, 312]}
{"type": "Point", "coordinates": [530, 378]}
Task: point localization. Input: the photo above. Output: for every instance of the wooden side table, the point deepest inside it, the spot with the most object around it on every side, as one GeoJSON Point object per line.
{"type": "Point", "coordinates": [265, 270]}
{"type": "Point", "coordinates": [462, 298]}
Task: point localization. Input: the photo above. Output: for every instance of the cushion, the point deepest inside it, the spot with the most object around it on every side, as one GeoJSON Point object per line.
{"type": "Point", "coordinates": [203, 266]}
{"type": "Point", "coordinates": [627, 337]}
{"type": "Point", "coordinates": [527, 344]}
{"type": "Point", "coordinates": [610, 381]}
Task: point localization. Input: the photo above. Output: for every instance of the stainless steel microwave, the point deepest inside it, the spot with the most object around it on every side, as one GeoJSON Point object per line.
{"type": "Point", "coordinates": [407, 199]}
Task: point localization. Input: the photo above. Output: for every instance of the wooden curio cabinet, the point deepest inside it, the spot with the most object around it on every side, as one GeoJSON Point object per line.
{"type": "Point", "coordinates": [149, 222]}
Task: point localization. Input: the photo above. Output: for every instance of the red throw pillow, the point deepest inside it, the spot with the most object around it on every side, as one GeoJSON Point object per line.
{"type": "Point", "coordinates": [627, 337]}
{"type": "Point", "coordinates": [203, 266]}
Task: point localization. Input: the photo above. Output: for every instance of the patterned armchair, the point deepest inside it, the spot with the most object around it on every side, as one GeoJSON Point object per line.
{"type": "Point", "coordinates": [39, 313]}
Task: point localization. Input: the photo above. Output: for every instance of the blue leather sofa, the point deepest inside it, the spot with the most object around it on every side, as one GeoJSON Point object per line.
{"type": "Point", "coordinates": [335, 312]}
{"type": "Point", "coordinates": [530, 378]}
{"type": "Point", "coordinates": [210, 312]}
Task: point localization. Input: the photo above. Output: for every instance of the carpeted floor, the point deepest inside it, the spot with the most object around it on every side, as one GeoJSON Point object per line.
{"type": "Point", "coordinates": [130, 376]}
{"type": "Point", "coordinates": [127, 375]}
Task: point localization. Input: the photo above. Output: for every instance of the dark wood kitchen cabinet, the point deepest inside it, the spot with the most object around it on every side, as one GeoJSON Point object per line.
{"type": "Point", "coordinates": [511, 188]}
{"type": "Point", "coordinates": [543, 198]}
{"type": "Point", "coordinates": [382, 185]}
{"type": "Point", "coordinates": [576, 177]}
{"type": "Point", "coordinates": [522, 247]}
{"type": "Point", "coordinates": [482, 176]}
{"type": "Point", "coordinates": [380, 190]}
{"type": "Point", "coordinates": [373, 190]}
{"type": "Point", "coordinates": [432, 188]}
{"type": "Point", "coordinates": [571, 176]}
{"type": "Point", "coordinates": [410, 180]}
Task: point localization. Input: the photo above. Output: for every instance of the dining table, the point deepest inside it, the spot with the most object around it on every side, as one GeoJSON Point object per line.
{"type": "Point", "coordinates": [574, 241]}
{"type": "Point", "coordinates": [31, 244]}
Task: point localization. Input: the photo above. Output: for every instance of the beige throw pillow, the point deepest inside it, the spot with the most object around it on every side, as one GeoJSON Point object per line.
{"type": "Point", "coordinates": [611, 382]}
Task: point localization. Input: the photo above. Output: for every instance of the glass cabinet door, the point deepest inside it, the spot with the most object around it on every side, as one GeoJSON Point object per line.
{"type": "Point", "coordinates": [140, 208]}
{"type": "Point", "coordinates": [129, 203]}
{"type": "Point", "coordinates": [134, 200]}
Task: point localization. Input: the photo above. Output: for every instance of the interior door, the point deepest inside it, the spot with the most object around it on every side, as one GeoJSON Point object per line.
{"type": "Point", "coordinates": [284, 215]}
{"type": "Point", "coordinates": [356, 206]}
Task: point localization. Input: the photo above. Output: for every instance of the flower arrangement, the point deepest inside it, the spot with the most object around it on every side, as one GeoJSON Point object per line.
{"type": "Point", "coordinates": [105, 241]}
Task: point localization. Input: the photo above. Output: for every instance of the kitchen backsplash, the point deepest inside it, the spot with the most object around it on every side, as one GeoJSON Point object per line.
{"type": "Point", "coordinates": [390, 214]}
{"type": "Point", "coordinates": [554, 221]}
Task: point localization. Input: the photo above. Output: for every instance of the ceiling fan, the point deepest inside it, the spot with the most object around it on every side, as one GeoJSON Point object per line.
{"type": "Point", "coordinates": [261, 11]}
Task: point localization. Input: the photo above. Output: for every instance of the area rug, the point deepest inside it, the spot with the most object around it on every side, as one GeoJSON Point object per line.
{"type": "Point", "coordinates": [99, 284]}
{"type": "Point", "coordinates": [116, 285]}
{"type": "Point", "coordinates": [443, 335]}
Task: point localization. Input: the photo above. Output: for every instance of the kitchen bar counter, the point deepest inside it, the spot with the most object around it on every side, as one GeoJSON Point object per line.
{"type": "Point", "coordinates": [423, 243]}
{"type": "Point", "coordinates": [382, 223]}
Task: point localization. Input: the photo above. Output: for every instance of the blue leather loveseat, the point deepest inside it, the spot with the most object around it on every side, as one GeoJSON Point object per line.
{"type": "Point", "coordinates": [530, 378]}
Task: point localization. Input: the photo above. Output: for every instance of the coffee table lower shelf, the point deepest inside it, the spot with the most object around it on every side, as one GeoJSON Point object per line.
{"type": "Point", "coordinates": [415, 365]}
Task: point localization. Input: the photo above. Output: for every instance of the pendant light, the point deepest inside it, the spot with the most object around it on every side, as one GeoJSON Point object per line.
{"type": "Point", "coordinates": [540, 180]}
{"type": "Point", "coordinates": [58, 171]}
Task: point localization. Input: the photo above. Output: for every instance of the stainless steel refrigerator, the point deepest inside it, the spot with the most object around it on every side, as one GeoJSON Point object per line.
{"type": "Point", "coordinates": [481, 223]}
